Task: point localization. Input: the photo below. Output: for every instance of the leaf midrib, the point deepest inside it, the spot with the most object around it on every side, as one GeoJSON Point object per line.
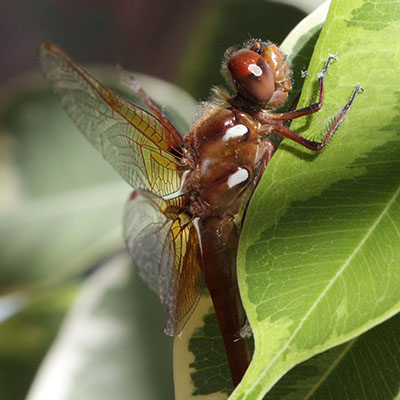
{"type": "Point", "coordinates": [329, 285]}
{"type": "Point", "coordinates": [318, 384]}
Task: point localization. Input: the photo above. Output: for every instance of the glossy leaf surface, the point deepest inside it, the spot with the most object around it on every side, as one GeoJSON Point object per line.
{"type": "Point", "coordinates": [365, 368]}
{"type": "Point", "coordinates": [323, 267]}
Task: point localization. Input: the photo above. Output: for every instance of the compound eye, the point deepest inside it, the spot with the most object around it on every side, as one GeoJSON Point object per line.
{"type": "Point", "coordinates": [252, 75]}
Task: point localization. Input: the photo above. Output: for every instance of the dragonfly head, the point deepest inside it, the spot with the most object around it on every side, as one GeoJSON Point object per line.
{"type": "Point", "coordinates": [260, 74]}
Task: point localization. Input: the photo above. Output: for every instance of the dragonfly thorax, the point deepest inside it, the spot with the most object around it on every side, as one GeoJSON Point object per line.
{"type": "Point", "coordinates": [227, 153]}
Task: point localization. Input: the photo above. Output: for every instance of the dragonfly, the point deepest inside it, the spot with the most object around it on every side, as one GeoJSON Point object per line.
{"type": "Point", "coordinates": [190, 193]}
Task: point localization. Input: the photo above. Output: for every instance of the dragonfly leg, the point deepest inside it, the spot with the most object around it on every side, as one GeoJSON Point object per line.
{"type": "Point", "coordinates": [295, 102]}
{"type": "Point", "coordinates": [136, 87]}
{"type": "Point", "coordinates": [268, 155]}
{"type": "Point", "coordinates": [297, 98]}
{"type": "Point", "coordinates": [312, 108]}
{"type": "Point", "coordinates": [317, 146]}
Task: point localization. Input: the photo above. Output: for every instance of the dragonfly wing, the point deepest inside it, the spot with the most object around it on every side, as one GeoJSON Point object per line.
{"type": "Point", "coordinates": [188, 283]}
{"type": "Point", "coordinates": [138, 145]}
{"type": "Point", "coordinates": [166, 251]}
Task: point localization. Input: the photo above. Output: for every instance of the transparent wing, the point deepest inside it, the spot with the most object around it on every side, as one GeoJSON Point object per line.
{"type": "Point", "coordinates": [139, 146]}
{"type": "Point", "coordinates": [165, 247]}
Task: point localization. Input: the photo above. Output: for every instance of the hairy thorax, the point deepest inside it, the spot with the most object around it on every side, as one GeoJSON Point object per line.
{"type": "Point", "coordinates": [226, 154]}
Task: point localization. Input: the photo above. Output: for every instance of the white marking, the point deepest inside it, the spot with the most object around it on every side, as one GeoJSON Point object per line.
{"type": "Point", "coordinates": [241, 175]}
{"type": "Point", "coordinates": [255, 69]}
{"type": "Point", "coordinates": [235, 131]}
{"type": "Point", "coordinates": [246, 331]}
{"type": "Point", "coordinates": [197, 227]}
{"type": "Point", "coordinates": [304, 74]}
{"type": "Point", "coordinates": [173, 195]}
{"type": "Point", "coordinates": [180, 191]}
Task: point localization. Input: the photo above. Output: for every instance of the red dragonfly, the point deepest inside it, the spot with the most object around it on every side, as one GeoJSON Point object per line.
{"type": "Point", "coordinates": [183, 218]}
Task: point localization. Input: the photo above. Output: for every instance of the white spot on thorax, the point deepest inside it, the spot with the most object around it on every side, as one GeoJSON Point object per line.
{"type": "Point", "coordinates": [255, 69]}
{"type": "Point", "coordinates": [235, 131]}
{"type": "Point", "coordinates": [241, 175]}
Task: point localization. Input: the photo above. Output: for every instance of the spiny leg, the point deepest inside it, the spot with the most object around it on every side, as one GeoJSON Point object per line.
{"type": "Point", "coordinates": [268, 155]}
{"type": "Point", "coordinates": [293, 106]}
{"type": "Point", "coordinates": [295, 102]}
{"type": "Point", "coordinates": [317, 146]}
{"type": "Point", "coordinates": [312, 108]}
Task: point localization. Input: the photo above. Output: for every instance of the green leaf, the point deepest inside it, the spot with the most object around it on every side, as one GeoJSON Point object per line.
{"type": "Point", "coordinates": [320, 250]}
{"type": "Point", "coordinates": [112, 345]}
{"type": "Point", "coordinates": [365, 368]}
{"type": "Point", "coordinates": [299, 45]}
{"type": "Point", "coordinates": [210, 369]}
{"type": "Point", "coordinates": [200, 364]}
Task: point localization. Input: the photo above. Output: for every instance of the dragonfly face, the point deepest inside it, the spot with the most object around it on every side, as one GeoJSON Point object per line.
{"type": "Point", "coordinates": [181, 221]}
{"type": "Point", "coordinates": [260, 74]}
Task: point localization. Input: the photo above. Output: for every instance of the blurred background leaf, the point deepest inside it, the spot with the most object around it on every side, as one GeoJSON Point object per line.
{"type": "Point", "coordinates": [61, 224]}
{"type": "Point", "coordinates": [108, 347]}
{"type": "Point", "coordinates": [25, 338]}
